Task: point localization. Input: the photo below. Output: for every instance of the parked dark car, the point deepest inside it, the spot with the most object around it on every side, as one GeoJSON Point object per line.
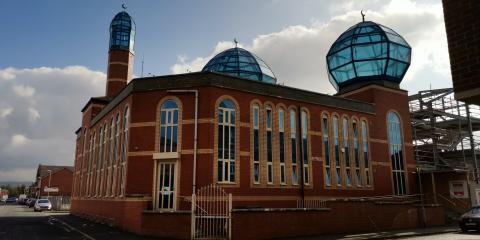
{"type": "Point", "coordinates": [11, 200]}
{"type": "Point", "coordinates": [31, 202]}
{"type": "Point", "coordinates": [470, 220]}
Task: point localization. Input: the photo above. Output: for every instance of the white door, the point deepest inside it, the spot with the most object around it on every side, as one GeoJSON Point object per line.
{"type": "Point", "coordinates": [166, 186]}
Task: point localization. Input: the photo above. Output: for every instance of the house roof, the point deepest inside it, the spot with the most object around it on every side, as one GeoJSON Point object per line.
{"type": "Point", "coordinates": [42, 170]}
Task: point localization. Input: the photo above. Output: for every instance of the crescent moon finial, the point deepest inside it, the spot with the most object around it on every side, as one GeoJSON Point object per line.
{"type": "Point", "coordinates": [363, 16]}
{"type": "Point", "coordinates": [124, 6]}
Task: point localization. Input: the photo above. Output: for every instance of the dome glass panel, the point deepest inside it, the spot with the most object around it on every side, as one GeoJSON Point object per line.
{"type": "Point", "coordinates": [368, 51]}
{"type": "Point", "coordinates": [122, 32]}
{"type": "Point", "coordinates": [241, 63]}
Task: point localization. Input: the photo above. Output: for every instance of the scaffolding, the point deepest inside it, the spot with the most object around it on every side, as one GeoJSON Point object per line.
{"type": "Point", "coordinates": [445, 132]}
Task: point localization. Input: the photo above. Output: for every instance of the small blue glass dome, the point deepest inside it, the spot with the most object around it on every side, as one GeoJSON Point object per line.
{"type": "Point", "coordinates": [241, 63]}
{"type": "Point", "coordinates": [122, 32]}
{"type": "Point", "coordinates": [368, 51]}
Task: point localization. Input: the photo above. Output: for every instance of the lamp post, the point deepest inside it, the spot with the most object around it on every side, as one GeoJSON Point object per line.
{"type": "Point", "coordinates": [39, 187]}
{"type": "Point", "coordinates": [49, 180]}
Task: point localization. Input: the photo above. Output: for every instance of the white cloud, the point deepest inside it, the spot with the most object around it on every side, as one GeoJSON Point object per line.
{"type": "Point", "coordinates": [7, 74]}
{"type": "Point", "coordinates": [41, 111]}
{"type": "Point", "coordinates": [296, 54]}
{"type": "Point", "coordinates": [18, 140]}
{"type": "Point", "coordinates": [18, 174]}
{"type": "Point", "coordinates": [4, 112]}
{"type": "Point", "coordinates": [33, 114]}
{"type": "Point", "coordinates": [23, 91]}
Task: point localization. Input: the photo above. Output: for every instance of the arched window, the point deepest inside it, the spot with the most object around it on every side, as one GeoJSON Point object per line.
{"type": "Point", "coordinates": [346, 153]}
{"type": "Point", "coordinates": [256, 143]}
{"type": "Point", "coordinates": [169, 126]}
{"type": "Point", "coordinates": [104, 159]}
{"type": "Point", "coordinates": [304, 119]}
{"type": "Point", "coordinates": [356, 153]}
{"type": "Point", "coordinates": [110, 156]}
{"type": "Point", "coordinates": [336, 152]}
{"type": "Point", "coordinates": [99, 161]}
{"type": "Point", "coordinates": [269, 138]}
{"type": "Point", "coordinates": [396, 153]}
{"type": "Point", "coordinates": [326, 149]}
{"type": "Point", "coordinates": [293, 143]}
{"type": "Point", "coordinates": [366, 159]}
{"type": "Point", "coordinates": [281, 143]}
{"type": "Point", "coordinates": [123, 162]}
{"type": "Point", "coordinates": [115, 154]}
{"type": "Point", "coordinates": [226, 140]}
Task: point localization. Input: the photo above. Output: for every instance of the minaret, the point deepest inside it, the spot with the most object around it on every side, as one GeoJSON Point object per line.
{"type": "Point", "coordinates": [120, 54]}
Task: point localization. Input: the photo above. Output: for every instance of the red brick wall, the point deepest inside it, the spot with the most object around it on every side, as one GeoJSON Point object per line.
{"type": "Point", "coordinates": [344, 217]}
{"type": "Point", "coordinates": [463, 34]}
{"type": "Point", "coordinates": [123, 214]}
{"type": "Point", "coordinates": [61, 179]}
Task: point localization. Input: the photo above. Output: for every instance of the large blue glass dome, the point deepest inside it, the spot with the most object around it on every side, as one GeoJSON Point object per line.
{"type": "Point", "coordinates": [367, 52]}
{"type": "Point", "coordinates": [122, 32]}
{"type": "Point", "coordinates": [241, 63]}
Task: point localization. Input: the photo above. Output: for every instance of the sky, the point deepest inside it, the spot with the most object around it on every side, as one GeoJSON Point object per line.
{"type": "Point", "coordinates": [54, 55]}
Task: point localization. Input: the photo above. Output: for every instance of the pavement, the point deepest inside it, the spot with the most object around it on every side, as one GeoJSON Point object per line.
{"type": "Point", "coordinates": [400, 234]}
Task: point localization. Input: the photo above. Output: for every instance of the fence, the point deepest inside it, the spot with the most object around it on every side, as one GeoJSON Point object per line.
{"type": "Point", "coordinates": [311, 203]}
{"type": "Point", "coordinates": [211, 213]}
{"type": "Point", "coordinates": [60, 203]}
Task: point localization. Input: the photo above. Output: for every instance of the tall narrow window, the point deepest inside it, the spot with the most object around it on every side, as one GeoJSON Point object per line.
{"type": "Point", "coordinates": [346, 153]}
{"type": "Point", "coordinates": [110, 156]}
{"type": "Point", "coordinates": [226, 141]}
{"type": "Point", "coordinates": [293, 142]}
{"type": "Point", "coordinates": [281, 143]}
{"type": "Point", "coordinates": [326, 149]}
{"type": "Point", "coordinates": [356, 153]}
{"type": "Point", "coordinates": [268, 128]}
{"type": "Point", "coordinates": [115, 153]}
{"type": "Point", "coordinates": [89, 165]}
{"type": "Point", "coordinates": [336, 152]}
{"type": "Point", "coordinates": [256, 144]}
{"type": "Point", "coordinates": [124, 152]}
{"type": "Point", "coordinates": [92, 165]}
{"type": "Point", "coordinates": [99, 161]}
{"type": "Point", "coordinates": [304, 118]}
{"type": "Point", "coordinates": [365, 153]}
{"type": "Point", "coordinates": [169, 126]}
{"type": "Point", "coordinates": [396, 153]}
{"type": "Point", "coordinates": [103, 179]}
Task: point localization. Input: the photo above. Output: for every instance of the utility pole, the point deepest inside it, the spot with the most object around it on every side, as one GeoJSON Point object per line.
{"type": "Point", "coordinates": [49, 180]}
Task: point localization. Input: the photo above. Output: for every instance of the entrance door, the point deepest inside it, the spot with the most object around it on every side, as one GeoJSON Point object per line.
{"type": "Point", "coordinates": [166, 186]}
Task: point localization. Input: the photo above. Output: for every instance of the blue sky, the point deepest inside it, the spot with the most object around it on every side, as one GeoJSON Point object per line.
{"type": "Point", "coordinates": [62, 33]}
{"type": "Point", "coordinates": [54, 55]}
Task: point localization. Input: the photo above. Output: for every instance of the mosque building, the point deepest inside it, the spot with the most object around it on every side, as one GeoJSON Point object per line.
{"type": "Point", "coordinates": [150, 142]}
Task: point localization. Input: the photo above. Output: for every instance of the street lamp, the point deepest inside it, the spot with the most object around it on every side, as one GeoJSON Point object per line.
{"type": "Point", "coordinates": [49, 180]}
{"type": "Point", "coordinates": [39, 187]}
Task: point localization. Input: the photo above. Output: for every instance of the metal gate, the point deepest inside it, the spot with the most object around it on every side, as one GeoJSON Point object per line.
{"type": "Point", "coordinates": [211, 213]}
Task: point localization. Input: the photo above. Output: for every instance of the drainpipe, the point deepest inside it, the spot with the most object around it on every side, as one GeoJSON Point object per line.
{"type": "Point", "coordinates": [195, 135]}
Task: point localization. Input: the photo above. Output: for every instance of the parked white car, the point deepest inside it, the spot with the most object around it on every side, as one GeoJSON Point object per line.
{"type": "Point", "coordinates": [42, 204]}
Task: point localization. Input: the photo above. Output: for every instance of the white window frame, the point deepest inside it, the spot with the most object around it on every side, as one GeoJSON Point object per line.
{"type": "Point", "coordinates": [227, 123]}
{"type": "Point", "coordinates": [281, 136]}
{"type": "Point", "coordinates": [256, 159]}
{"type": "Point", "coordinates": [269, 131]}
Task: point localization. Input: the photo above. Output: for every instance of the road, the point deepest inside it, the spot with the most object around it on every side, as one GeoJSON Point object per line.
{"type": "Point", "coordinates": [19, 222]}
{"type": "Point", "coordinates": [449, 236]}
